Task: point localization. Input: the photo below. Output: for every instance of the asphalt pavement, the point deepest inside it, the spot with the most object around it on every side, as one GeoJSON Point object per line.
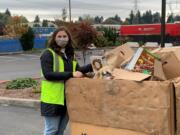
{"type": "Point", "coordinates": [28, 65]}
{"type": "Point", "coordinates": [19, 65]}
{"type": "Point", "coordinates": [21, 121]}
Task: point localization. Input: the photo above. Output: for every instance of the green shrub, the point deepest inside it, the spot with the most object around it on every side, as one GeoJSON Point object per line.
{"type": "Point", "coordinates": [21, 83]}
{"type": "Point", "coordinates": [101, 41]}
{"type": "Point", "coordinates": [110, 34]}
{"type": "Point", "coordinates": [27, 40]}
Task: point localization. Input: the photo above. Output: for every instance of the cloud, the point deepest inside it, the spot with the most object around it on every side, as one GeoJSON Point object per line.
{"type": "Point", "coordinates": [52, 8]}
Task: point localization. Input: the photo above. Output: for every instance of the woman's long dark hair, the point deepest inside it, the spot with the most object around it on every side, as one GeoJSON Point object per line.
{"type": "Point", "coordinates": [69, 50]}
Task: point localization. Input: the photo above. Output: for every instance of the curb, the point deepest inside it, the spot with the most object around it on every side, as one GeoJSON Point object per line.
{"type": "Point", "coordinates": [30, 103]}
{"type": "Point", "coordinates": [10, 53]}
{"type": "Point", "coordinates": [3, 81]}
{"type": "Point", "coordinates": [21, 52]}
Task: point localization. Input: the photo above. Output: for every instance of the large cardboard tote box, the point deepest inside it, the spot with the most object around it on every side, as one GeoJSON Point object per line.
{"type": "Point", "coordinates": [144, 107]}
{"type": "Point", "coordinates": [87, 129]}
{"type": "Point", "coordinates": [177, 92]}
{"type": "Point", "coordinates": [171, 61]}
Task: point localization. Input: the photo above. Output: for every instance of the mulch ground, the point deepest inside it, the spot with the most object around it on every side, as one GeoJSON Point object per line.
{"type": "Point", "coordinates": [27, 93]}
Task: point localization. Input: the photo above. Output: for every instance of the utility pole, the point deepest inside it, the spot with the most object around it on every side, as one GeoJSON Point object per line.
{"type": "Point", "coordinates": [163, 23]}
{"type": "Point", "coordinates": [135, 19]}
{"type": "Point", "coordinates": [69, 10]}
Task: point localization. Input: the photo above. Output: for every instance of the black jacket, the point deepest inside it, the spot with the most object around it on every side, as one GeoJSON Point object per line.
{"type": "Point", "coordinates": [47, 69]}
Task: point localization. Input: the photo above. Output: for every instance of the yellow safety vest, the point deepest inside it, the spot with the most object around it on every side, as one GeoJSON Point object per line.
{"type": "Point", "coordinates": [52, 92]}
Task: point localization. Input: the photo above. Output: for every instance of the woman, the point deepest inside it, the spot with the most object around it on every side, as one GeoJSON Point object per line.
{"type": "Point", "coordinates": [58, 65]}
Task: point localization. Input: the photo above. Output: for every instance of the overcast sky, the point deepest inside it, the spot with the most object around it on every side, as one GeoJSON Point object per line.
{"type": "Point", "coordinates": [52, 9]}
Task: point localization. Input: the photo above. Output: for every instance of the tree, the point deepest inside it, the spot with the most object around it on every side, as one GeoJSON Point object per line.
{"type": "Point", "coordinates": [15, 26]}
{"type": "Point", "coordinates": [97, 19]}
{"type": "Point", "coordinates": [2, 26]}
{"type": "Point", "coordinates": [85, 35]}
{"type": "Point", "coordinates": [45, 23]}
{"type": "Point", "coordinates": [27, 40]}
{"type": "Point", "coordinates": [110, 34]}
{"type": "Point", "coordinates": [138, 17]}
{"type": "Point", "coordinates": [101, 19]}
{"type": "Point", "coordinates": [37, 19]}
{"type": "Point", "coordinates": [23, 19]}
{"type": "Point", "coordinates": [4, 18]}
{"type": "Point", "coordinates": [113, 20]}
{"type": "Point", "coordinates": [147, 17]}
{"type": "Point", "coordinates": [131, 17]}
{"type": "Point", "coordinates": [80, 19]}
{"type": "Point", "coordinates": [170, 18]}
{"type": "Point", "coordinates": [156, 18]}
{"type": "Point", "coordinates": [117, 18]}
{"type": "Point", "coordinates": [64, 14]}
{"type": "Point", "coordinates": [86, 18]}
{"type": "Point", "coordinates": [110, 20]}
{"type": "Point", "coordinates": [36, 25]}
{"type": "Point", "coordinates": [7, 12]}
{"type": "Point", "coordinates": [126, 22]}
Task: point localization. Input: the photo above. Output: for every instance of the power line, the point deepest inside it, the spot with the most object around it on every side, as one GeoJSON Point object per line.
{"type": "Point", "coordinates": [135, 6]}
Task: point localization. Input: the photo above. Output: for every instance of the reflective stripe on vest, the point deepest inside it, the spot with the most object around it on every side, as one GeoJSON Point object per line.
{"type": "Point", "coordinates": [52, 92]}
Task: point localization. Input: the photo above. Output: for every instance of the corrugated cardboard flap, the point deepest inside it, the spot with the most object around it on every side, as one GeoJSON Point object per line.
{"type": "Point", "coordinates": [120, 74]}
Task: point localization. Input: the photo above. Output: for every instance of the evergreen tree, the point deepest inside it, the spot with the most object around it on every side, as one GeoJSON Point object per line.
{"type": "Point", "coordinates": [45, 23]}
{"type": "Point", "coordinates": [7, 12]}
{"type": "Point", "coordinates": [138, 17]}
{"type": "Point", "coordinates": [80, 19]}
{"type": "Point", "coordinates": [37, 19]}
{"type": "Point", "coordinates": [111, 20]}
{"type": "Point", "coordinates": [97, 19]}
{"type": "Point", "coordinates": [27, 40]}
{"type": "Point", "coordinates": [101, 19]}
{"type": "Point", "coordinates": [156, 18]}
{"type": "Point", "coordinates": [170, 18]}
{"type": "Point", "coordinates": [131, 17]}
{"type": "Point", "coordinates": [117, 18]}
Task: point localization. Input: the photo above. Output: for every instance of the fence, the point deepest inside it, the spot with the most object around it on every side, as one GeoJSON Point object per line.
{"type": "Point", "coordinates": [14, 45]}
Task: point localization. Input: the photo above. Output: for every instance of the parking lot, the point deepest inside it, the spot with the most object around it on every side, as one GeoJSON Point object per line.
{"type": "Point", "coordinates": [19, 65]}
{"type": "Point", "coordinates": [28, 65]}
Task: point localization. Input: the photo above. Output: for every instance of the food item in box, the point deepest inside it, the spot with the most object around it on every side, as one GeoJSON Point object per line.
{"type": "Point", "coordinates": [143, 61]}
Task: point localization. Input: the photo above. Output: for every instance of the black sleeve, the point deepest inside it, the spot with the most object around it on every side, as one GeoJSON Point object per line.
{"type": "Point", "coordinates": [84, 69]}
{"type": "Point", "coordinates": [47, 68]}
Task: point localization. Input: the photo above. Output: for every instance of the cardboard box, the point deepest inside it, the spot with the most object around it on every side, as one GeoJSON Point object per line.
{"type": "Point", "coordinates": [158, 71]}
{"type": "Point", "coordinates": [118, 56]}
{"type": "Point", "coordinates": [171, 61]}
{"type": "Point", "coordinates": [87, 129]}
{"type": "Point", "coordinates": [177, 92]}
{"type": "Point", "coordinates": [145, 107]}
{"type": "Point", "coordinates": [120, 74]}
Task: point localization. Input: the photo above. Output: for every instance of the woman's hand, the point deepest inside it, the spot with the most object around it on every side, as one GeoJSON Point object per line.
{"type": "Point", "coordinates": [77, 74]}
